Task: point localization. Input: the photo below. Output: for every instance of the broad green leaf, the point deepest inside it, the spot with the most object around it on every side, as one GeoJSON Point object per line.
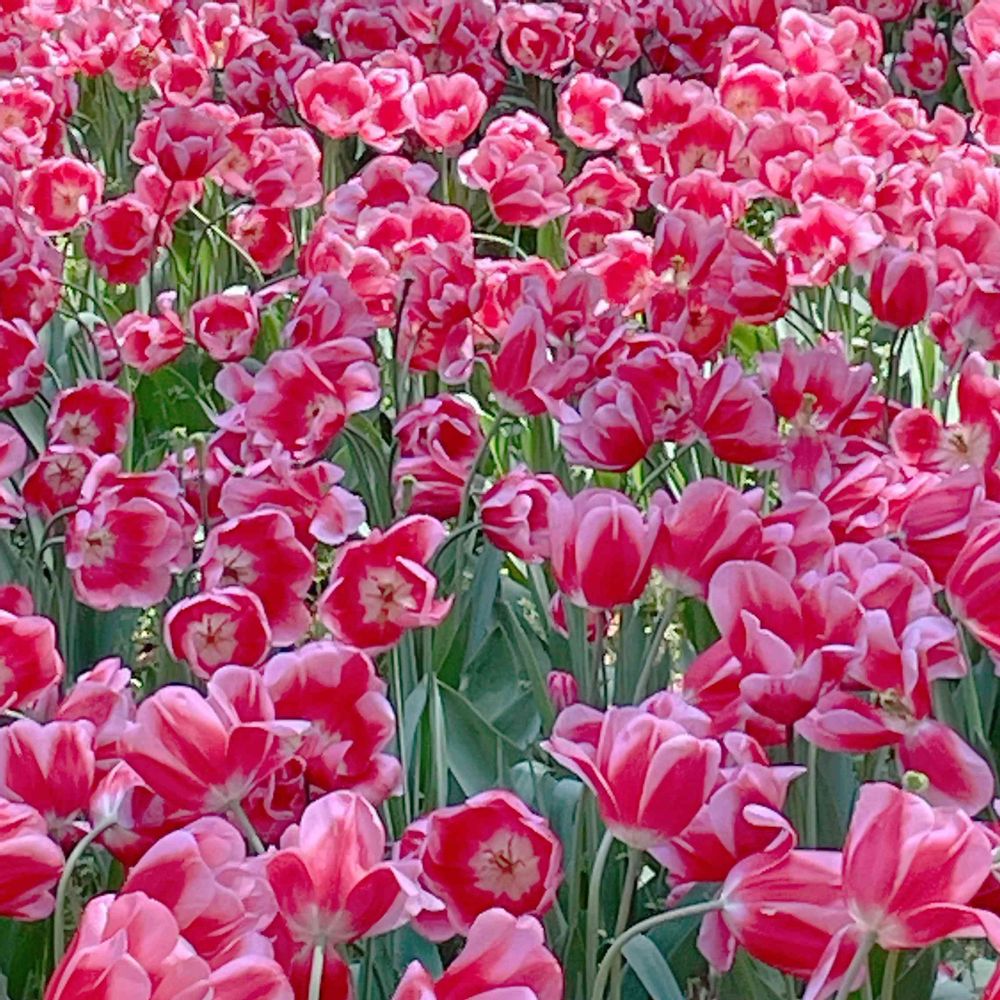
{"type": "Point", "coordinates": [651, 969]}
{"type": "Point", "coordinates": [478, 753]}
{"type": "Point", "coordinates": [752, 980]}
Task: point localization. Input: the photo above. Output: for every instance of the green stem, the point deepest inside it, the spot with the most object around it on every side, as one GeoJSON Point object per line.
{"type": "Point", "coordinates": [635, 930]}
{"type": "Point", "coordinates": [649, 660]}
{"type": "Point", "coordinates": [812, 799]}
{"type": "Point", "coordinates": [632, 870]}
{"type": "Point", "coordinates": [889, 975]}
{"type": "Point", "coordinates": [594, 904]}
{"type": "Point", "coordinates": [598, 671]}
{"type": "Point", "coordinates": [445, 193]}
{"type": "Point", "coordinates": [316, 971]}
{"type": "Point", "coordinates": [858, 963]}
{"type": "Point", "coordinates": [253, 837]}
{"type": "Point", "coordinates": [59, 919]}
{"type": "Point", "coordinates": [396, 670]}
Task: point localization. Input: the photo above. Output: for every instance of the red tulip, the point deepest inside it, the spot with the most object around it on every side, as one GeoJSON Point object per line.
{"type": "Point", "coordinates": [119, 241]}
{"type": "Point", "coordinates": [92, 415]}
{"type": "Point", "coordinates": [30, 864]}
{"type": "Point", "coordinates": [649, 774]}
{"type": "Point", "coordinates": [104, 697]}
{"type": "Point", "coordinates": [22, 363]}
{"type": "Point", "coordinates": [563, 689]}
{"type": "Point", "coordinates": [503, 956]}
{"type": "Point", "coordinates": [335, 97]}
{"type": "Point", "coordinates": [218, 628]}
{"type": "Point", "coordinates": [439, 442]}
{"type": "Point", "coordinates": [910, 870]}
{"type": "Point", "coordinates": [187, 143]}
{"type": "Point", "coordinates": [30, 663]}
{"type": "Point", "coordinates": [901, 286]}
{"type": "Point", "coordinates": [491, 851]}
{"type": "Point", "coordinates": [385, 577]}
{"type": "Point", "coordinates": [226, 325]}
{"type": "Point", "coordinates": [61, 192]}
{"type": "Point", "coordinates": [129, 534]}
{"type": "Point", "coordinates": [742, 817]}
{"type": "Point", "coordinates": [208, 754]}
{"type": "Point", "coordinates": [787, 909]}
{"type": "Point", "coordinates": [515, 513]}
{"type": "Point", "coordinates": [336, 689]}
{"type": "Point", "coordinates": [971, 584]}
{"type": "Point", "coordinates": [221, 901]}
{"type": "Point", "coordinates": [319, 509]}
{"type": "Point", "coordinates": [130, 945]}
{"type": "Point", "coordinates": [711, 524]}
{"type": "Point", "coordinates": [330, 881]}
{"type": "Point", "coordinates": [259, 552]}
{"type": "Point", "coordinates": [52, 768]}
{"type": "Point", "coordinates": [602, 547]}
{"type": "Point", "coordinates": [445, 110]}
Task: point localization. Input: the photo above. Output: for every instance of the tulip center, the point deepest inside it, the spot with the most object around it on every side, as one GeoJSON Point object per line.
{"type": "Point", "coordinates": [506, 864]}
{"type": "Point", "coordinates": [64, 473]}
{"type": "Point", "coordinates": [384, 594]}
{"type": "Point", "coordinates": [98, 547]}
{"type": "Point", "coordinates": [237, 565]}
{"type": "Point", "coordinates": [214, 637]}
{"type": "Point", "coordinates": [79, 429]}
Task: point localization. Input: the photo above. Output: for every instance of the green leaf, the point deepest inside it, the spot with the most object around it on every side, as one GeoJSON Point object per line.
{"type": "Point", "coordinates": [752, 980]}
{"type": "Point", "coordinates": [24, 956]}
{"type": "Point", "coordinates": [651, 969]}
{"type": "Point", "coordinates": [550, 243]}
{"type": "Point", "coordinates": [478, 753]}
{"type": "Point", "coordinates": [524, 650]}
{"type": "Point", "coordinates": [408, 945]}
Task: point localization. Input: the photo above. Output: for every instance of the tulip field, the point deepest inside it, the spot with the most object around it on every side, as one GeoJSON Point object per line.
{"type": "Point", "coordinates": [499, 500]}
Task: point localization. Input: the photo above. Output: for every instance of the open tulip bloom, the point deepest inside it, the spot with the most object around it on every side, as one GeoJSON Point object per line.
{"type": "Point", "coordinates": [499, 500]}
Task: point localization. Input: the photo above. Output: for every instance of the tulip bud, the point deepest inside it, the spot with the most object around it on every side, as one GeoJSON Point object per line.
{"type": "Point", "coordinates": [916, 782]}
{"type": "Point", "coordinates": [901, 286]}
{"type": "Point", "coordinates": [563, 689]}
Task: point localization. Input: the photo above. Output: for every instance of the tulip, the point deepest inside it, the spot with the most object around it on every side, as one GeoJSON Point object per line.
{"type": "Point", "coordinates": [385, 577]}
{"type": "Point", "coordinates": [208, 754]}
{"type": "Point", "coordinates": [972, 582]}
{"type": "Point", "coordinates": [901, 286]}
{"type": "Point", "coordinates": [515, 513]}
{"type": "Point", "coordinates": [491, 851]}
{"type": "Point", "coordinates": [445, 110]}
{"type": "Point", "coordinates": [602, 547]}
{"type": "Point", "coordinates": [201, 874]}
{"type": "Point", "coordinates": [503, 956]}
{"type": "Point", "coordinates": [93, 415]}
{"type": "Point", "coordinates": [910, 870]}
{"type": "Point", "coordinates": [335, 688]}
{"type": "Point", "coordinates": [259, 552]}
{"type": "Point", "coordinates": [331, 883]}
{"type": "Point", "coordinates": [218, 628]}
{"type": "Point", "coordinates": [649, 774]}
{"type": "Point", "coordinates": [52, 768]}
{"type": "Point", "coordinates": [30, 864]}
{"type": "Point", "coordinates": [787, 909]}
{"type": "Point", "coordinates": [30, 663]}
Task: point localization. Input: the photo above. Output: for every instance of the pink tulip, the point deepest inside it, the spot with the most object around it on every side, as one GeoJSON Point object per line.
{"type": "Point", "coordinates": [30, 864]}
{"type": "Point", "coordinates": [208, 754]}
{"type": "Point", "coordinates": [504, 956]}
{"type": "Point", "coordinates": [330, 880]}
{"type": "Point", "coordinates": [650, 774]}
{"type": "Point", "coordinates": [602, 547]}
{"type": "Point", "coordinates": [381, 587]}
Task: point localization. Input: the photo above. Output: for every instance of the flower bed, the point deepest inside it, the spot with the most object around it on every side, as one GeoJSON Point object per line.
{"type": "Point", "coordinates": [499, 503]}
